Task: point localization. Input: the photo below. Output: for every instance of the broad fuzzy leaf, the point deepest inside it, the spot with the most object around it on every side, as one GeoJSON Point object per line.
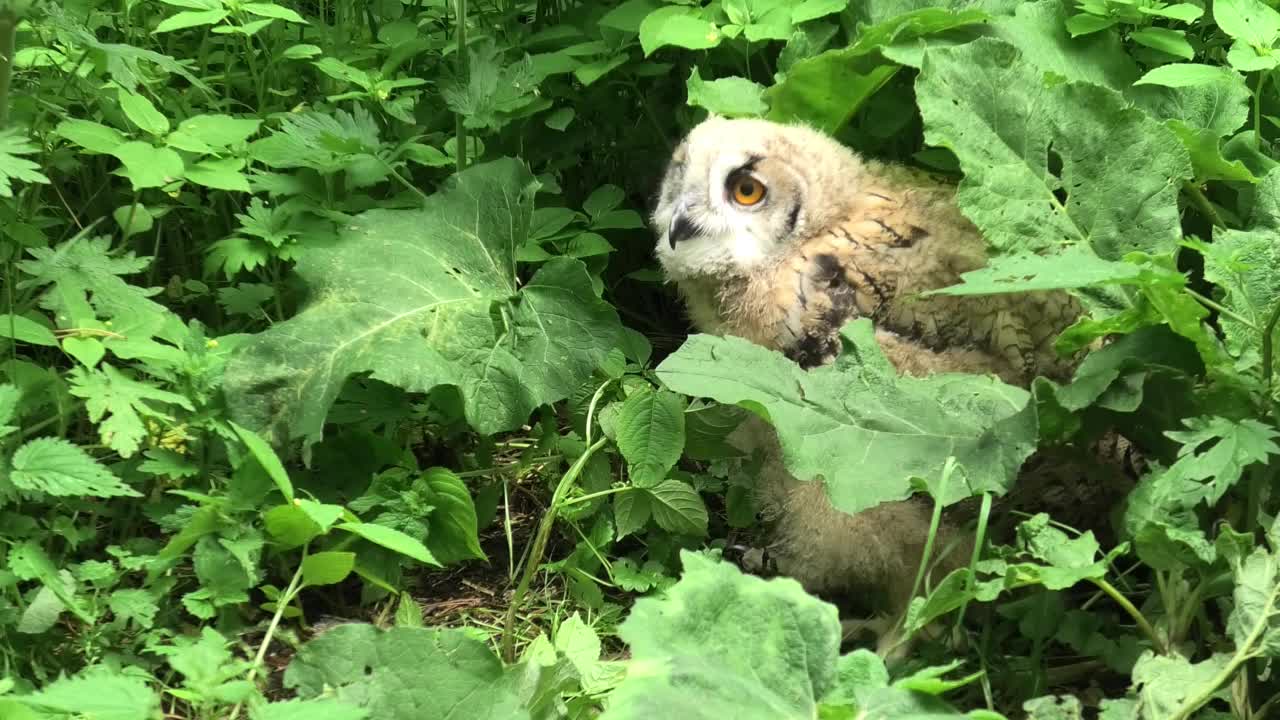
{"type": "Point", "coordinates": [724, 644]}
{"type": "Point", "coordinates": [999, 116]}
{"type": "Point", "coordinates": [858, 425]}
{"type": "Point", "coordinates": [57, 467]}
{"type": "Point", "coordinates": [423, 298]}
{"type": "Point", "coordinates": [405, 674]}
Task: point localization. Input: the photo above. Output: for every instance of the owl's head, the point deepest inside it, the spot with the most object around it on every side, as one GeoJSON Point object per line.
{"type": "Point", "coordinates": [739, 193]}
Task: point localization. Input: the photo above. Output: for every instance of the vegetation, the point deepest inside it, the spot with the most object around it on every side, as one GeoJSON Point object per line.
{"type": "Point", "coordinates": [319, 311]}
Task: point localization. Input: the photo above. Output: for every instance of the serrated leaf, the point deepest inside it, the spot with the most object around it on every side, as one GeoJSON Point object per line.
{"type": "Point", "coordinates": [219, 174]}
{"type": "Point", "coordinates": [405, 673]}
{"type": "Point", "coordinates": [631, 511]}
{"type": "Point", "coordinates": [99, 693]}
{"type": "Point", "coordinates": [58, 467]}
{"type": "Point", "coordinates": [271, 10]}
{"type": "Point", "coordinates": [428, 298]}
{"type": "Point", "coordinates": [999, 117]}
{"type": "Point", "coordinates": [454, 534]}
{"type": "Point", "coordinates": [14, 168]}
{"type": "Point", "coordinates": [677, 507]}
{"type": "Point", "coordinates": [650, 433]}
{"type": "Point", "coordinates": [118, 404]}
{"type": "Point", "coordinates": [858, 425]}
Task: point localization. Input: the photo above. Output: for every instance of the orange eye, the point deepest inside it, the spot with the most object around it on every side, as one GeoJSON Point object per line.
{"type": "Point", "coordinates": [747, 190]}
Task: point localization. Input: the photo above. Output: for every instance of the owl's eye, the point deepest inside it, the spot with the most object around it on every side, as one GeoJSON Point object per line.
{"type": "Point", "coordinates": [746, 190]}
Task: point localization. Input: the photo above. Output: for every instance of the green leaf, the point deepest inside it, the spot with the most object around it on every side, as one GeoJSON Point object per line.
{"type": "Point", "coordinates": [405, 674]}
{"type": "Point", "coordinates": [1251, 21]}
{"type": "Point", "coordinates": [190, 19]}
{"type": "Point", "coordinates": [678, 26]}
{"type": "Point", "coordinates": [1000, 118]}
{"type": "Point", "coordinates": [267, 458]}
{"type": "Point", "coordinates": [392, 540]}
{"type": "Point", "coordinates": [827, 90]}
{"type": "Point", "coordinates": [22, 329]}
{"type": "Point", "coordinates": [1245, 265]}
{"type": "Point", "coordinates": [271, 10]}
{"type": "Point", "coordinates": [57, 467]}
{"type": "Point", "coordinates": [455, 531]}
{"type": "Point", "coordinates": [1186, 75]}
{"type": "Point", "coordinates": [631, 511]}
{"type": "Point", "coordinates": [209, 133]}
{"type": "Point", "coordinates": [148, 166]}
{"type": "Point", "coordinates": [142, 113]}
{"type": "Point", "coordinates": [677, 507]}
{"type": "Point", "coordinates": [14, 168]}
{"type": "Point", "coordinates": [118, 403]}
{"type": "Point", "coordinates": [101, 694]}
{"type": "Point", "coordinates": [807, 10]}
{"type": "Point", "coordinates": [1173, 42]}
{"type": "Point", "coordinates": [133, 219]}
{"type": "Point", "coordinates": [219, 174]}
{"type": "Point", "coordinates": [1186, 12]}
{"type": "Point", "coordinates": [327, 568]}
{"type": "Point", "coordinates": [1076, 267]}
{"type": "Point", "coordinates": [650, 433]}
{"type": "Point", "coordinates": [1254, 623]}
{"type": "Point", "coordinates": [92, 136]}
{"type": "Point", "coordinates": [134, 604]}
{"type": "Point", "coordinates": [723, 644]}
{"type": "Point", "coordinates": [1235, 444]}
{"type": "Point", "coordinates": [428, 298]}
{"type": "Point", "coordinates": [729, 97]}
{"type": "Point", "coordinates": [866, 431]}
{"type": "Point", "coordinates": [1165, 683]}
{"type": "Point", "coordinates": [317, 709]}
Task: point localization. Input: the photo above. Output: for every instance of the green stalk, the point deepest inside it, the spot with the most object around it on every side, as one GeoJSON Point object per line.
{"type": "Point", "coordinates": [464, 76]}
{"type": "Point", "coordinates": [1134, 613]}
{"type": "Point", "coordinates": [282, 602]}
{"type": "Point", "coordinates": [534, 561]}
{"type": "Point", "coordinates": [8, 45]}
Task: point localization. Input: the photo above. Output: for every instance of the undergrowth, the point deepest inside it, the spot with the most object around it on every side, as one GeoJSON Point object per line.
{"type": "Point", "coordinates": [338, 380]}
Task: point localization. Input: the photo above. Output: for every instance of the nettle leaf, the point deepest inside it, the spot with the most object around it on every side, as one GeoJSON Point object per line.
{"type": "Point", "coordinates": [723, 644]}
{"type": "Point", "coordinates": [677, 507]}
{"type": "Point", "coordinates": [650, 433]}
{"type": "Point", "coordinates": [57, 467]}
{"type": "Point", "coordinates": [454, 534]}
{"type": "Point", "coordinates": [424, 298]}
{"type": "Point", "coordinates": [405, 673]}
{"type": "Point", "coordinates": [858, 425]}
{"type": "Point", "coordinates": [986, 104]}
{"type": "Point", "coordinates": [100, 693]}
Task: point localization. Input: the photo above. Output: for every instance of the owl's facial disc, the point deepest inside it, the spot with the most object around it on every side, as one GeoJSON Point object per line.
{"type": "Point", "coordinates": [724, 213]}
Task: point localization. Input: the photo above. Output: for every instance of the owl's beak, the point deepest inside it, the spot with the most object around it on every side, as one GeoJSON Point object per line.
{"type": "Point", "coordinates": [681, 228]}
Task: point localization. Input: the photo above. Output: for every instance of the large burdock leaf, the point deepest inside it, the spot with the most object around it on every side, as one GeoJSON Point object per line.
{"type": "Point", "coordinates": [1011, 125]}
{"type": "Point", "coordinates": [406, 674]}
{"type": "Point", "coordinates": [722, 644]}
{"type": "Point", "coordinates": [424, 298]}
{"type": "Point", "coordinates": [858, 425]}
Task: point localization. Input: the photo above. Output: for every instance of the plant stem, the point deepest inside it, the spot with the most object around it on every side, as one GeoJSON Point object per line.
{"type": "Point", "coordinates": [534, 561]}
{"type": "Point", "coordinates": [1221, 309]}
{"type": "Point", "coordinates": [464, 76]}
{"type": "Point", "coordinates": [1202, 202]}
{"type": "Point", "coordinates": [8, 45]}
{"type": "Point", "coordinates": [1134, 613]}
{"type": "Point", "coordinates": [984, 515]}
{"type": "Point", "coordinates": [282, 602]}
{"type": "Point", "coordinates": [1257, 108]}
{"type": "Point", "coordinates": [1268, 346]}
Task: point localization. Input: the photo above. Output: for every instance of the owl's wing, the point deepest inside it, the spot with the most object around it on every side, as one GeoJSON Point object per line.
{"type": "Point", "coordinates": [896, 240]}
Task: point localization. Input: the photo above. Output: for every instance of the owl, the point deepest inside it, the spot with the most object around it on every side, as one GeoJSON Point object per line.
{"type": "Point", "coordinates": [780, 235]}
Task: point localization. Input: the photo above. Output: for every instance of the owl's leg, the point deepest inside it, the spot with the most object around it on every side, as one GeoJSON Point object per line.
{"type": "Point", "coordinates": [814, 300]}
